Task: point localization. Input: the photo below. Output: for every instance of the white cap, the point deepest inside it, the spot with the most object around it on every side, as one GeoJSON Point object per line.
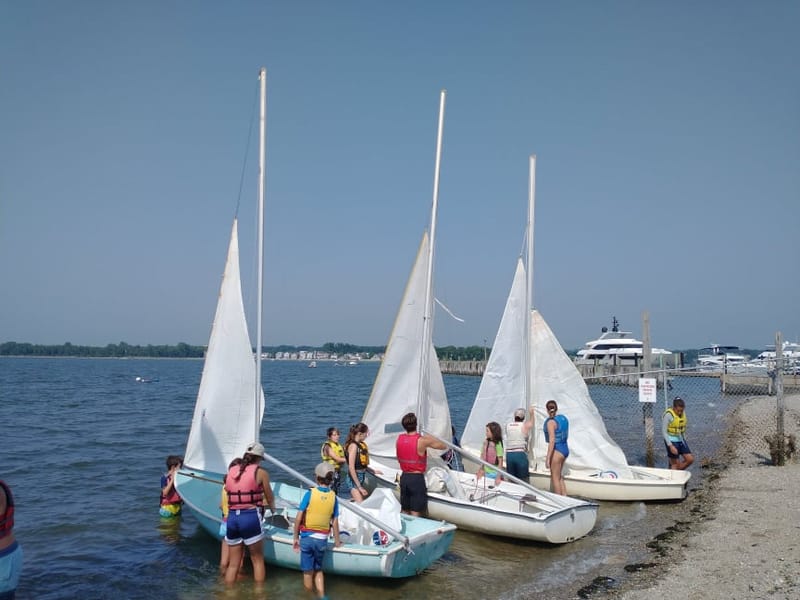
{"type": "Point", "coordinates": [256, 449]}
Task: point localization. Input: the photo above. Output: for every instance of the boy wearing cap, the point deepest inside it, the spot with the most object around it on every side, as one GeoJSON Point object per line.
{"type": "Point", "coordinates": [517, 434]}
{"type": "Point", "coordinates": [318, 513]}
{"type": "Point", "coordinates": [248, 488]}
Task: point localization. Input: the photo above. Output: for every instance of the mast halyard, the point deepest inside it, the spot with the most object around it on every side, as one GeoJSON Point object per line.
{"type": "Point", "coordinates": [427, 324]}
{"type": "Point", "coordinates": [528, 350]}
{"type": "Point", "coordinates": [262, 126]}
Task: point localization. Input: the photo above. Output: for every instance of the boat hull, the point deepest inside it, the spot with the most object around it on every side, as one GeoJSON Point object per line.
{"type": "Point", "coordinates": [508, 510]}
{"type": "Point", "coordinates": [647, 484]}
{"type": "Point", "coordinates": [428, 539]}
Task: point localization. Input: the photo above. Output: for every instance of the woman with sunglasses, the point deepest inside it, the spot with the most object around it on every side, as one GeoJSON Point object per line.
{"type": "Point", "coordinates": [556, 432]}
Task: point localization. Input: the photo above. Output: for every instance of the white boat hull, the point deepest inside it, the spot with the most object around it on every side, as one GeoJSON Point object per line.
{"type": "Point", "coordinates": [428, 540]}
{"type": "Point", "coordinates": [508, 510]}
{"type": "Point", "coordinates": [647, 484]}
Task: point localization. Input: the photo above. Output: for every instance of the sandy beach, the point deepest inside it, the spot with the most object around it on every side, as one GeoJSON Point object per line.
{"type": "Point", "coordinates": [739, 536]}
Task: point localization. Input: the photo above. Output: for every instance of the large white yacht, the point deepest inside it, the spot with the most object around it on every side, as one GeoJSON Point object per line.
{"type": "Point", "coordinates": [614, 347]}
{"type": "Point", "coordinates": [722, 358]}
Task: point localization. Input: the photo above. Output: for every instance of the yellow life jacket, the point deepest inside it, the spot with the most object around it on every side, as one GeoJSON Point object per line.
{"type": "Point", "coordinates": [677, 426]}
{"type": "Point", "coordinates": [320, 511]}
{"type": "Point", "coordinates": [336, 448]}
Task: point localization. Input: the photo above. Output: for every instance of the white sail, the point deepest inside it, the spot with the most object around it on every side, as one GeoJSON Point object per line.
{"type": "Point", "coordinates": [502, 388]}
{"type": "Point", "coordinates": [397, 383]}
{"type": "Point", "coordinates": [225, 413]}
{"type": "Point", "coordinates": [556, 378]}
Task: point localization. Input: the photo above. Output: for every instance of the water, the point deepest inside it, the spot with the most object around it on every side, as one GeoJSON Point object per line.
{"type": "Point", "coordinates": [83, 443]}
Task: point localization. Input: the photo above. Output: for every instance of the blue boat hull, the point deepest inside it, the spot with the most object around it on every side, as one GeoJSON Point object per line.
{"type": "Point", "coordinates": [428, 539]}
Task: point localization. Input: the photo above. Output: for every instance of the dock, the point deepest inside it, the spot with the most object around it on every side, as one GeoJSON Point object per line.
{"type": "Point", "coordinates": [462, 367]}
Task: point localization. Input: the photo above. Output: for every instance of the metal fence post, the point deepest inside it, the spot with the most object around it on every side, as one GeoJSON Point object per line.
{"type": "Point", "coordinates": [647, 407]}
{"type": "Point", "coordinates": [779, 434]}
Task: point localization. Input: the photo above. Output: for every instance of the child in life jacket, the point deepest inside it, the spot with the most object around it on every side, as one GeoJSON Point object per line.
{"type": "Point", "coordinates": [170, 499]}
{"type": "Point", "coordinates": [492, 452]}
{"type": "Point", "coordinates": [318, 514]}
{"type": "Point", "coordinates": [224, 557]}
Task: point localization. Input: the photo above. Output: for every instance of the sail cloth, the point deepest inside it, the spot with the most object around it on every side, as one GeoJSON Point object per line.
{"type": "Point", "coordinates": [224, 419]}
{"type": "Point", "coordinates": [397, 384]}
{"type": "Point", "coordinates": [555, 377]}
{"type": "Point", "coordinates": [502, 388]}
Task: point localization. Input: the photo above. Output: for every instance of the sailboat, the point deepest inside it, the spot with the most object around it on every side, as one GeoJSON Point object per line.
{"type": "Point", "coordinates": [227, 417]}
{"type": "Point", "coordinates": [528, 367]}
{"type": "Point", "coordinates": [409, 380]}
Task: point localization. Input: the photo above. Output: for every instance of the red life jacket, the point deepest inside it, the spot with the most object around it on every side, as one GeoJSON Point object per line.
{"type": "Point", "coordinates": [173, 497]}
{"type": "Point", "coordinates": [407, 455]}
{"type": "Point", "coordinates": [246, 492]}
{"type": "Point", "coordinates": [7, 518]}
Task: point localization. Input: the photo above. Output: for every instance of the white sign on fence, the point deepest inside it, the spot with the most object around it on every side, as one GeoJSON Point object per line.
{"type": "Point", "coordinates": [647, 389]}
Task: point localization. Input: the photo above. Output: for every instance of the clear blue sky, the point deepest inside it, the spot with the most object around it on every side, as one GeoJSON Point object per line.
{"type": "Point", "coordinates": [667, 136]}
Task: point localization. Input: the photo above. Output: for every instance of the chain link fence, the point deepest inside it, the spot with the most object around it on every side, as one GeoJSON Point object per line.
{"type": "Point", "coordinates": [758, 412]}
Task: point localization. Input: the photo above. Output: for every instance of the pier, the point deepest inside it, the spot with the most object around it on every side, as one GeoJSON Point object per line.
{"type": "Point", "coordinates": [462, 367]}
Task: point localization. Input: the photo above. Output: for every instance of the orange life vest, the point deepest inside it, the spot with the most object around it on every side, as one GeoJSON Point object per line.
{"type": "Point", "coordinates": [246, 492]}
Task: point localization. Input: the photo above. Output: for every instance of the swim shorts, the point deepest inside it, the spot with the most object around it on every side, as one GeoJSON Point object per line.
{"type": "Point", "coordinates": [244, 525]}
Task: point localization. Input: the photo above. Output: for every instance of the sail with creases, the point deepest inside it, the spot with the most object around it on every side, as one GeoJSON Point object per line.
{"type": "Point", "coordinates": [396, 386]}
{"type": "Point", "coordinates": [502, 388]}
{"type": "Point", "coordinates": [224, 419]}
{"type": "Point", "coordinates": [555, 377]}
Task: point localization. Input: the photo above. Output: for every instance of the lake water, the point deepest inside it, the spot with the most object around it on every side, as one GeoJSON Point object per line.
{"type": "Point", "coordinates": [83, 443]}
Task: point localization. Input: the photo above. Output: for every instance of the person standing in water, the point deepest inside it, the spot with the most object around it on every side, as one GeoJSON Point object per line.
{"type": "Point", "coordinates": [10, 550]}
{"type": "Point", "coordinates": [318, 514]}
{"type": "Point", "coordinates": [248, 489]}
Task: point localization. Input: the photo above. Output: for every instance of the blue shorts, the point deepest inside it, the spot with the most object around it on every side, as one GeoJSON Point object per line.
{"type": "Point", "coordinates": [346, 483]}
{"type": "Point", "coordinates": [244, 525]}
{"type": "Point", "coordinates": [681, 447]}
{"type": "Point", "coordinates": [10, 567]}
{"type": "Point", "coordinates": [312, 551]}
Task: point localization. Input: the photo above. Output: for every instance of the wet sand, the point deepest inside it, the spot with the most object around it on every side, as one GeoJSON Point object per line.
{"type": "Point", "coordinates": [736, 537]}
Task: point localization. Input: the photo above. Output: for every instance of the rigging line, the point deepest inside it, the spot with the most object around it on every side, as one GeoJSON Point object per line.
{"type": "Point", "coordinates": [524, 245]}
{"type": "Point", "coordinates": [247, 148]}
{"type": "Point", "coordinates": [448, 311]}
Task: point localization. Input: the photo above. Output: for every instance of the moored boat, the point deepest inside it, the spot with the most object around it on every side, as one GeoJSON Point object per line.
{"type": "Point", "coordinates": [410, 380]}
{"type": "Point", "coordinates": [227, 418]}
{"type": "Point", "coordinates": [527, 368]}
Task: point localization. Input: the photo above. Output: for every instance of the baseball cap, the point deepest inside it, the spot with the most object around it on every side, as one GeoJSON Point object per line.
{"type": "Point", "coordinates": [519, 413]}
{"type": "Point", "coordinates": [257, 449]}
{"type": "Point", "coordinates": [323, 469]}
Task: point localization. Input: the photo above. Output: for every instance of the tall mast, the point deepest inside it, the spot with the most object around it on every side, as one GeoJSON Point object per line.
{"type": "Point", "coordinates": [529, 281]}
{"type": "Point", "coordinates": [262, 137]}
{"type": "Point", "coordinates": [427, 325]}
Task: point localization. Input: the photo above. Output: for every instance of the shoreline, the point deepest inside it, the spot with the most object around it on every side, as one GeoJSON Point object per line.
{"type": "Point", "coordinates": [736, 536]}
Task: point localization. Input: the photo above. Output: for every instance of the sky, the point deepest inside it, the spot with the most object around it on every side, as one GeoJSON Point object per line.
{"type": "Point", "coordinates": [667, 137]}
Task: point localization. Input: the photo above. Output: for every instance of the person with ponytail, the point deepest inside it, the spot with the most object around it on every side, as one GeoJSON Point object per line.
{"type": "Point", "coordinates": [357, 454]}
{"type": "Point", "coordinates": [248, 489]}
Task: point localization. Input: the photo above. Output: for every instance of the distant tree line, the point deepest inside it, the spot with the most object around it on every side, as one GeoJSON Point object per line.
{"type": "Point", "coordinates": [121, 350]}
{"type": "Point", "coordinates": [182, 350]}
